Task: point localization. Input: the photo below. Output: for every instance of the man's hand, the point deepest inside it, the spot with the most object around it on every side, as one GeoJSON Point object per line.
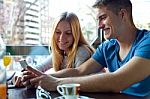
{"type": "Point", "coordinates": [47, 82]}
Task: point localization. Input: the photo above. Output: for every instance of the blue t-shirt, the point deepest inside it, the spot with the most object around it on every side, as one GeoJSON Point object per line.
{"type": "Point", "coordinates": [107, 55]}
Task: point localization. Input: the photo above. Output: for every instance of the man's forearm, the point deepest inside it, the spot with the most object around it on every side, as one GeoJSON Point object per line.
{"type": "Point", "coordinates": [93, 83]}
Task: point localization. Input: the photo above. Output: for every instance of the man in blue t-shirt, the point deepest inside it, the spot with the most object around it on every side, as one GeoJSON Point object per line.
{"type": "Point", "coordinates": [126, 54]}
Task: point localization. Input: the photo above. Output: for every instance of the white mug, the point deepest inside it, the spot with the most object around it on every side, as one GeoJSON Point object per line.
{"type": "Point", "coordinates": [69, 91]}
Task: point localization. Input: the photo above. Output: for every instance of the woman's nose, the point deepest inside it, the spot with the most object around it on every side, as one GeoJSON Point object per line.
{"type": "Point", "coordinates": [62, 36]}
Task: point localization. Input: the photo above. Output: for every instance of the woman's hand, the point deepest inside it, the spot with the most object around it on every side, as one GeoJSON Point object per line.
{"type": "Point", "coordinates": [27, 75]}
{"type": "Point", "coordinates": [17, 81]}
{"type": "Point", "coordinates": [24, 78]}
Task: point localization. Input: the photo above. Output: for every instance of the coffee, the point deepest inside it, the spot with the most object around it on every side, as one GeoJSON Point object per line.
{"type": "Point", "coordinates": [69, 91]}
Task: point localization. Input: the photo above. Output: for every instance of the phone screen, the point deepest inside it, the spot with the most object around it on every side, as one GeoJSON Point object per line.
{"type": "Point", "coordinates": [23, 63]}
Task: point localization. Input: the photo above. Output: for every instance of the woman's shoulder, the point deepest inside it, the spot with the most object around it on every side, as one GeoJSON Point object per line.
{"type": "Point", "coordinates": [85, 49]}
{"type": "Point", "coordinates": [83, 53]}
{"type": "Point", "coordinates": [81, 48]}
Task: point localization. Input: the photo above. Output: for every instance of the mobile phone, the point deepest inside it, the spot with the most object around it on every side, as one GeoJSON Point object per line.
{"type": "Point", "coordinates": [23, 63]}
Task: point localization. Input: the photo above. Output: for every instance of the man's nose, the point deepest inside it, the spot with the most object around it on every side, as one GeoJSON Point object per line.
{"type": "Point", "coordinates": [101, 25]}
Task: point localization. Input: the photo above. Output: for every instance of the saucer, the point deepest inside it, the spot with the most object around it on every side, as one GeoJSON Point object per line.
{"type": "Point", "coordinates": [80, 97]}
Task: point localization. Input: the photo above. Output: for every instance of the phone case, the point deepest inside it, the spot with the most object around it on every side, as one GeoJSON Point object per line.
{"type": "Point", "coordinates": [23, 63]}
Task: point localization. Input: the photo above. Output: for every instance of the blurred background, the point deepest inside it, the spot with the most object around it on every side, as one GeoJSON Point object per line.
{"type": "Point", "coordinates": [25, 25]}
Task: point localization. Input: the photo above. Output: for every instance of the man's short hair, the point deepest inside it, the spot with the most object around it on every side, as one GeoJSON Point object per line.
{"type": "Point", "coordinates": [114, 5]}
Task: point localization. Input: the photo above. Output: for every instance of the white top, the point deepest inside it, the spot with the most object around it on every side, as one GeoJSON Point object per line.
{"type": "Point", "coordinates": [82, 55]}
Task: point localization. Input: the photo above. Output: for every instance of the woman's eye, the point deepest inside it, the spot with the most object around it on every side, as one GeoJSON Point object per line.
{"type": "Point", "coordinates": [68, 33]}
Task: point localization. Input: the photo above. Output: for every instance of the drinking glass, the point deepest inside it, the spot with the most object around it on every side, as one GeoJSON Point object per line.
{"type": "Point", "coordinates": [6, 62]}
{"type": "Point", "coordinates": [3, 85]}
{"type": "Point", "coordinates": [7, 59]}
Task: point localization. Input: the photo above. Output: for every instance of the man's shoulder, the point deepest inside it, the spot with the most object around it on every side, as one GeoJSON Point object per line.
{"type": "Point", "coordinates": [144, 32]}
{"type": "Point", "coordinates": [147, 32]}
{"type": "Point", "coordinates": [143, 35]}
{"type": "Point", "coordinates": [110, 43]}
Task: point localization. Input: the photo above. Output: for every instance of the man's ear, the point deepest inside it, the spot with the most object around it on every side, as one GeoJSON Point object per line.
{"type": "Point", "coordinates": [123, 13]}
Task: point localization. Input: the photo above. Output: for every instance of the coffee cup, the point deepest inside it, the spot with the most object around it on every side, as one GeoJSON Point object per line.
{"type": "Point", "coordinates": [69, 91]}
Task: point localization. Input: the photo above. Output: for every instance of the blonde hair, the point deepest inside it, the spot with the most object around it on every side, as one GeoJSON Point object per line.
{"type": "Point", "coordinates": [79, 40]}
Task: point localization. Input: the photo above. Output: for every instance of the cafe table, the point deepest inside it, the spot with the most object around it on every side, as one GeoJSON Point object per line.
{"type": "Point", "coordinates": [23, 93]}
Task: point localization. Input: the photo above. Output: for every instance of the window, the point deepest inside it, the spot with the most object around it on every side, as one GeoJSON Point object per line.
{"type": "Point", "coordinates": [84, 11]}
{"type": "Point", "coordinates": [29, 22]}
{"type": "Point", "coordinates": [38, 15]}
{"type": "Point", "coordinates": [141, 14]}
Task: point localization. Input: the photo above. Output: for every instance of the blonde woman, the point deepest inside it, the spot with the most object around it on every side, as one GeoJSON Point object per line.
{"type": "Point", "coordinates": [68, 45]}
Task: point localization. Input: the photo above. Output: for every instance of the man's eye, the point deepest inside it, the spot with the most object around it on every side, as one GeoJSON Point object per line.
{"type": "Point", "coordinates": [102, 18]}
{"type": "Point", "coordinates": [58, 32]}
